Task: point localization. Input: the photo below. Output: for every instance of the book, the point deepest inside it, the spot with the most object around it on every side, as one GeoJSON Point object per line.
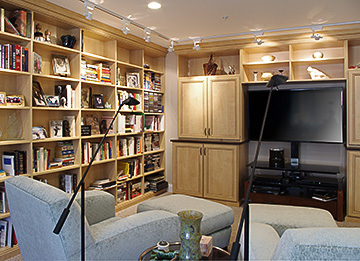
{"type": "Point", "coordinates": [56, 129]}
{"type": "Point", "coordinates": [8, 164]}
{"type": "Point", "coordinates": [9, 27]}
{"type": "Point", "coordinates": [93, 121]}
{"type": "Point", "coordinates": [107, 120]}
{"type": "Point", "coordinates": [3, 232]}
{"type": "Point", "coordinates": [68, 182]}
{"type": "Point", "coordinates": [19, 19]}
{"type": "Point", "coordinates": [69, 127]}
{"type": "Point", "coordinates": [2, 19]}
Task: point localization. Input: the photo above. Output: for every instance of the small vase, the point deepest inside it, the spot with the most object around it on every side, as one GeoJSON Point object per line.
{"type": "Point", "coordinates": [190, 235]}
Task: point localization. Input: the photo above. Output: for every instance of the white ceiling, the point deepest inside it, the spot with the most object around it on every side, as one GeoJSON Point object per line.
{"type": "Point", "coordinates": [200, 18]}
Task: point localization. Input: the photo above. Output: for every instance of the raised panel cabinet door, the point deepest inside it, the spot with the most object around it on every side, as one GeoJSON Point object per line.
{"type": "Point", "coordinates": [224, 107]}
{"type": "Point", "coordinates": [353, 184]}
{"type": "Point", "coordinates": [221, 172]}
{"type": "Point", "coordinates": [188, 168]}
{"type": "Point", "coordinates": [353, 109]}
{"type": "Point", "coordinates": [192, 108]}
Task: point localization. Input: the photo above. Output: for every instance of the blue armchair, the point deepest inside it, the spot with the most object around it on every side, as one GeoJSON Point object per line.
{"type": "Point", "coordinates": [35, 208]}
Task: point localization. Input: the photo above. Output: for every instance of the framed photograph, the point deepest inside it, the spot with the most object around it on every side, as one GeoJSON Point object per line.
{"type": "Point", "coordinates": [2, 98]}
{"type": "Point", "coordinates": [39, 133]}
{"type": "Point", "coordinates": [85, 98]}
{"type": "Point", "coordinates": [37, 63]}
{"type": "Point", "coordinates": [15, 100]}
{"type": "Point", "coordinates": [61, 65]}
{"type": "Point", "coordinates": [38, 95]}
{"type": "Point", "coordinates": [98, 101]}
{"type": "Point", "coordinates": [52, 100]}
{"type": "Point", "coordinates": [56, 129]}
{"type": "Point", "coordinates": [133, 80]}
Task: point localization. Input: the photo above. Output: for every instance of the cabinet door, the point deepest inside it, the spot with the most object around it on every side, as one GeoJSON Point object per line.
{"type": "Point", "coordinates": [188, 168]}
{"type": "Point", "coordinates": [192, 107]}
{"type": "Point", "coordinates": [353, 109]}
{"type": "Point", "coordinates": [353, 184]}
{"type": "Point", "coordinates": [221, 172]}
{"type": "Point", "coordinates": [224, 107]}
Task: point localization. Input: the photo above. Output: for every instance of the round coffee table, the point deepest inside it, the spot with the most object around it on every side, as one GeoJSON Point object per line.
{"type": "Point", "coordinates": [216, 253]}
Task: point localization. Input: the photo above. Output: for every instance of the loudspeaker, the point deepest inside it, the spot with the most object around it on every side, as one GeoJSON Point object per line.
{"type": "Point", "coordinates": [276, 158]}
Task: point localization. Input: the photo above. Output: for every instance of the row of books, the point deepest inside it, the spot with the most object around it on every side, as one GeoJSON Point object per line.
{"type": "Point", "coordinates": [4, 207]}
{"type": "Point", "coordinates": [129, 146]}
{"type": "Point", "coordinates": [152, 81]}
{"type": "Point", "coordinates": [17, 22]}
{"type": "Point", "coordinates": [88, 150]}
{"type": "Point", "coordinates": [14, 163]}
{"type": "Point", "coordinates": [156, 183]}
{"type": "Point", "coordinates": [68, 182]}
{"type": "Point", "coordinates": [152, 162]}
{"type": "Point", "coordinates": [95, 72]}
{"type": "Point", "coordinates": [126, 191]}
{"type": "Point", "coordinates": [123, 95]}
{"type": "Point", "coordinates": [7, 233]}
{"type": "Point", "coordinates": [128, 169]}
{"type": "Point", "coordinates": [152, 102]}
{"type": "Point", "coordinates": [14, 57]}
{"type": "Point", "coordinates": [153, 123]}
{"type": "Point", "coordinates": [131, 123]}
{"type": "Point", "coordinates": [152, 142]}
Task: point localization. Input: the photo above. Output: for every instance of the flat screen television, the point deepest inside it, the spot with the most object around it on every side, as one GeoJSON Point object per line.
{"type": "Point", "coordinates": [298, 115]}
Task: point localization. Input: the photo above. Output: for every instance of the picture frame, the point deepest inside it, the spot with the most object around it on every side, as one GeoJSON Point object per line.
{"type": "Point", "coordinates": [133, 80]}
{"type": "Point", "coordinates": [98, 101]}
{"type": "Point", "coordinates": [15, 100]}
{"type": "Point", "coordinates": [37, 63]}
{"type": "Point", "coordinates": [61, 65]}
{"type": "Point", "coordinates": [85, 98]}
{"type": "Point", "coordinates": [2, 98]}
{"type": "Point", "coordinates": [39, 133]}
{"type": "Point", "coordinates": [52, 100]}
{"type": "Point", "coordinates": [38, 95]}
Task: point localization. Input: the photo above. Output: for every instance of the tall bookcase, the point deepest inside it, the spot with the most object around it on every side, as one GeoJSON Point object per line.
{"type": "Point", "coordinates": [95, 43]}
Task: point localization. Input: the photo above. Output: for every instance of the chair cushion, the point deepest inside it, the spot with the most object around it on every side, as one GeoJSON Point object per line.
{"type": "Point", "coordinates": [216, 216]}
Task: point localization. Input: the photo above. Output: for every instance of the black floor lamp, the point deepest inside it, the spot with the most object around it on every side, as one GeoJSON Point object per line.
{"type": "Point", "coordinates": [274, 82]}
{"type": "Point", "coordinates": [129, 101]}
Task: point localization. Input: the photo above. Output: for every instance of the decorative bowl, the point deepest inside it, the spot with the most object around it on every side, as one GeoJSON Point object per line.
{"type": "Point", "coordinates": [268, 58]}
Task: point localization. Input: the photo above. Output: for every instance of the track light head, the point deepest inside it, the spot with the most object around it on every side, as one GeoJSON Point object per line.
{"type": "Point", "coordinates": [147, 36]}
{"type": "Point", "coordinates": [196, 44]}
{"type": "Point", "coordinates": [171, 47]}
{"type": "Point", "coordinates": [125, 28]}
{"type": "Point", "coordinates": [316, 36]}
{"type": "Point", "coordinates": [89, 7]}
{"type": "Point", "coordinates": [258, 41]}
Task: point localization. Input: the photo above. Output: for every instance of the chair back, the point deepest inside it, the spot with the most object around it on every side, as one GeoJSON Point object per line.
{"type": "Point", "coordinates": [35, 208]}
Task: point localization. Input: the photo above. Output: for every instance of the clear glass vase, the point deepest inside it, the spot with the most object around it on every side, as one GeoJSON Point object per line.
{"type": "Point", "coordinates": [190, 235]}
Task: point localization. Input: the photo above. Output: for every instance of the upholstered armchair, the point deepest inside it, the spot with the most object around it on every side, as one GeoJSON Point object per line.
{"type": "Point", "coordinates": [279, 232]}
{"type": "Point", "coordinates": [35, 208]}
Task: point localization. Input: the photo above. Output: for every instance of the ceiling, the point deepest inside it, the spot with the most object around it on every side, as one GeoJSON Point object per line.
{"type": "Point", "coordinates": [181, 19]}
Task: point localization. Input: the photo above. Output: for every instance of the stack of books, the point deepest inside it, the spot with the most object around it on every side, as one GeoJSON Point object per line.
{"type": "Point", "coordinates": [64, 153]}
{"type": "Point", "coordinates": [157, 183]}
{"type": "Point", "coordinates": [104, 73]}
{"type": "Point", "coordinates": [101, 184]}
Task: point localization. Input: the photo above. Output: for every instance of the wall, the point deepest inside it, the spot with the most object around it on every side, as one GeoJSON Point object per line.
{"type": "Point", "coordinates": [170, 111]}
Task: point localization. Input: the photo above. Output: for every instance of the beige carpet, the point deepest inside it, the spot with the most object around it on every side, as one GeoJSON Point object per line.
{"type": "Point", "coordinates": [237, 214]}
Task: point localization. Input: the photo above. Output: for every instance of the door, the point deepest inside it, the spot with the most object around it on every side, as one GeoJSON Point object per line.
{"type": "Point", "coordinates": [188, 168]}
{"type": "Point", "coordinates": [224, 107]}
{"type": "Point", "coordinates": [192, 107]}
{"type": "Point", "coordinates": [221, 172]}
{"type": "Point", "coordinates": [353, 184]}
{"type": "Point", "coordinates": [353, 109]}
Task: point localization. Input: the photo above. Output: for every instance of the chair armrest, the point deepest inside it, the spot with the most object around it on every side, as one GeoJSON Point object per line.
{"type": "Point", "coordinates": [319, 244]}
{"type": "Point", "coordinates": [99, 205]}
{"type": "Point", "coordinates": [283, 217]}
{"type": "Point", "coordinates": [126, 238]}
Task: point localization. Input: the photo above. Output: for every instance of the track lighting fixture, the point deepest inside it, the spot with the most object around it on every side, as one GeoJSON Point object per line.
{"type": "Point", "coordinates": [316, 36]}
{"type": "Point", "coordinates": [89, 7]}
{"type": "Point", "coordinates": [196, 44]}
{"type": "Point", "coordinates": [147, 35]}
{"type": "Point", "coordinates": [258, 41]}
{"type": "Point", "coordinates": [125, 28]}
{"type": "Point", "coordinates": [171, 47]}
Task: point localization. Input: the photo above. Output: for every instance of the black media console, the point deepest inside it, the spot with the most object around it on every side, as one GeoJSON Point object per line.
{"type": "Point", "coordinates": [304, 185]}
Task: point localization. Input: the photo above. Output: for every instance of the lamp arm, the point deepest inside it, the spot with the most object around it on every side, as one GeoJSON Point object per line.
{"type": "Point", "coordinates": [66, 211]}
{"type": "Point", "coordinates": [236, 245]}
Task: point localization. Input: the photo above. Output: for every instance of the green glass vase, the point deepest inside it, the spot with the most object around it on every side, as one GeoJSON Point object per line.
{"type": "Point", "coordinates": [190, 235]}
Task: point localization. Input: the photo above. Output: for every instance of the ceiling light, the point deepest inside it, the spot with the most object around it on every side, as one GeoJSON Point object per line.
{"type": "Point", "coordinates": [147, 36]}
{"type": "Point", "coordinates": [316, 36]}
{"type": "Point", "coordinates": [125, 28]}
{"type": "Point", "coordinates": [258, 41]}
{"type": "Point", "coordinates": [154, 5]}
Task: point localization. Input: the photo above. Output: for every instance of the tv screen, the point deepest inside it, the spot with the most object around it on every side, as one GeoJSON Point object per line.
{"type": "Point", "coordinates": [301, 115]}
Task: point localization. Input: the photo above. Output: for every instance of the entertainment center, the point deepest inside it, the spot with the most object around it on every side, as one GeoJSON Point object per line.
{"type": "Point", "coordinates": [298, 113]}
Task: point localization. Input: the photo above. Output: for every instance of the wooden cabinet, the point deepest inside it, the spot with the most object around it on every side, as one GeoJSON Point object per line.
{"type": "Point", "coordinates": [353, 183]}
{"type": "Point", "coordinates": [210, 108]}
{"type": "Point", "coordinates": [353, 109]}
{"type": "Point", "coordinates": [208, 170]}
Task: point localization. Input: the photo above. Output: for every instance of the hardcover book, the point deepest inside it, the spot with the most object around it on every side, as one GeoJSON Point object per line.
{"type": "Point", "coordinates": [56, 129]}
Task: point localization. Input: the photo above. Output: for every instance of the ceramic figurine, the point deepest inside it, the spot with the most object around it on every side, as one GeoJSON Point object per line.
{"type": "Point", "coordinates": [316, 74]}
{"type": "Point", "coordinates": [38, 35]}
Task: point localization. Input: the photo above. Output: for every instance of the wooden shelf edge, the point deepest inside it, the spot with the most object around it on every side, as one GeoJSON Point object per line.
{"type": "Point", "coordinates": [9, 252]}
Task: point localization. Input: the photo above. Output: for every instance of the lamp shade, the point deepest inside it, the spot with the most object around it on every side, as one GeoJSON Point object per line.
{"type": "Point", "coordinates": [277, 80]}
{"type": "Point", "coordinates": [130, 101]}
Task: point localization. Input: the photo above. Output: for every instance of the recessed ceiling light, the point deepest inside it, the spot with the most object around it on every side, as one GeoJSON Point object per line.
{"type": "Point", "coordinates": [154, 5]}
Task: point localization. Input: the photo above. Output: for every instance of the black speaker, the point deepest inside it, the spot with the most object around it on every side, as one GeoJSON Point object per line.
{"type": "Point", "coordinates": [276, 158]}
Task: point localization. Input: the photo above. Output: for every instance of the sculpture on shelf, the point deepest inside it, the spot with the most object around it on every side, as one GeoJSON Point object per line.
{"type": "Point", "coordinates": [316, 74]}
{"type": "Point", "coordinates": [210, 67]}
{"type": "Point", "coordinates": [38, 35]}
